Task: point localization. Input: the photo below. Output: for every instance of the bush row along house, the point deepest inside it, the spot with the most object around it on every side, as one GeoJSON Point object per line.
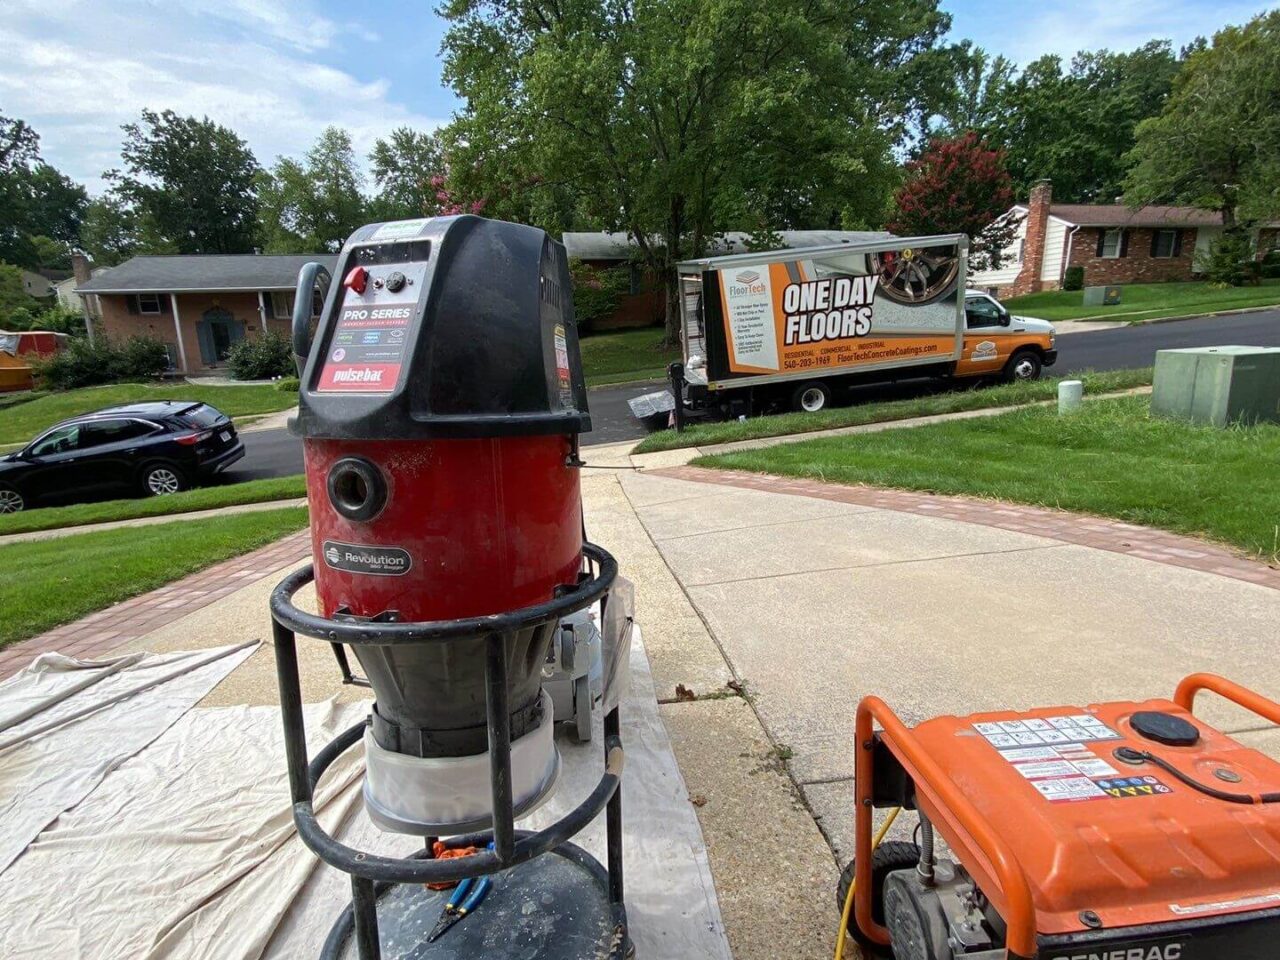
{"type": "Point", "coordinates": [1113, 243]}
{"type": "Point", "coordinates": [197, 305]}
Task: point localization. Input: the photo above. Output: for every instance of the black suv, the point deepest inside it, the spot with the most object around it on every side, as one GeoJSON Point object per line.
{"type": "Point", "coordinates": [143, 448]}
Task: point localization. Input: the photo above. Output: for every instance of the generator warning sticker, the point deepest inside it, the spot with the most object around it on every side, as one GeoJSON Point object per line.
{"type": "Point", "coordinates": [1057, 755]}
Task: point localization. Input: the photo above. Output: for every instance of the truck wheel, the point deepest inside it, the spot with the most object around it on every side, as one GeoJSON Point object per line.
{"type": "Point", "coordinates": [811, 397]}
{"type": "Point", "coordinates": [1023, 365]}
{"type": "Point", "coordinates": [889, 856]}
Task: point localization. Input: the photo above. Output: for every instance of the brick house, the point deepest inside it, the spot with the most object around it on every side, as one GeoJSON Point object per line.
{"type": "Point", "coordinates": [1115, 244]}
{"type": "Point", "coordinates": [197, 305]}
{"type": "Point", "coordinates": [642, 305]}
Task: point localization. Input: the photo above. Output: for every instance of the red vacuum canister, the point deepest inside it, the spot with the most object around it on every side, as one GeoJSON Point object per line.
{"type": "Point", "coordinates": [439, 410]}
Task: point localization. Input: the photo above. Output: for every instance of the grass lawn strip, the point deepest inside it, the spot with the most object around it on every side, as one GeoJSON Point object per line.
{"type": "Point", "coordinates": [625, 356]}
{"type": "Point", "coordinates": [203, 498]}
{"type": "Point", "coordinates": [1146, 301]}
{"type": "Point", "coordinates": [46, 583]}
{"type": "Point", "coordinates": [954, 400]}
{"type": "Point", "coordinates": [19, 424]}
{"type": "Point", "coordinates": [1111, 458]}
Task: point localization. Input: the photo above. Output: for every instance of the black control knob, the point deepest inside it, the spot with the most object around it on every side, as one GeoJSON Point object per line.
{"type": "Point", "coordinates": [395, 281]}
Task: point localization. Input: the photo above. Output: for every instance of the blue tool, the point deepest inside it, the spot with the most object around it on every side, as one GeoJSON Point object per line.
{"type": "Point", "coordinates": [466, 897]}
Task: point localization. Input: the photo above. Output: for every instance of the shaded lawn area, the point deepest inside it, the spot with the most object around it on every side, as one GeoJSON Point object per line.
{"type": "Point", "coordinates": [629, 355]}
{"type": "Point", "coordinates": [203, 498]}
{"type": "Point", "coordinates": [46, 583]}
{"type": "Point", "coordinates": [1111, 458]}
{"type": "Point", "coordinates": [953, 400]}
{"type": "Point", "coordinates": [22, 422]}
{"type": "Point", "coordinates": [1147, 301]}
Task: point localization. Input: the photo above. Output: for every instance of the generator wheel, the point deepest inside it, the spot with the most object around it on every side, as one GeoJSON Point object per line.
{"type": "Point", "coordinates": [891, 855]}
{"type": "Point", "coordinates": [582, 708]}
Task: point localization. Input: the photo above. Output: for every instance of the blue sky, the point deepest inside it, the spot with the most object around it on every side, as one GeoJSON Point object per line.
{"type": "Point", "coordinates": [279, 71]}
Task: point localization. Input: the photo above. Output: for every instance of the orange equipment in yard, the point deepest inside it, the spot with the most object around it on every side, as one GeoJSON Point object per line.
{"type": "Point", "coordinates": [1120, 831]}
{"type": "Point", "coordinates": [18, 349]}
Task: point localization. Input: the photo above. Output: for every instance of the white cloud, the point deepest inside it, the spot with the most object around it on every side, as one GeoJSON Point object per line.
{"type": "Point", "coordinates": [1063, 28]}
{"type": "Point", "coordinates": [76, 71]}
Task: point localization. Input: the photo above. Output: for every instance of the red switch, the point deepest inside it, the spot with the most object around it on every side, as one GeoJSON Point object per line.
{"type": "Point", "coordinates": [357, 279]}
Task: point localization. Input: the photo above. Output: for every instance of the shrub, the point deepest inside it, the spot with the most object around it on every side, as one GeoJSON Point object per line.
{"type": "Point", "coordinates": [597, 291]}
{"type": "Point", "coordinates": [1073, 279]}
{"type": "Point", "coordinates": [287, 385]}
{"type": "Point", "coordinates": [1226, 263]}
{"type": "Point", "coordinates": [267, 355]}
{"type": "Point", "coordinates": [85, 364]}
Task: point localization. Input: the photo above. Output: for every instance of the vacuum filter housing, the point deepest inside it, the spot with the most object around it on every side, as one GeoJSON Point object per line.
{"type": "Point", "coordinates": [439, 410]}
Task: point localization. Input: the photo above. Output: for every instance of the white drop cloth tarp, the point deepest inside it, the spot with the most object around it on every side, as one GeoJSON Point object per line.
{"type": "Point", "coordinates": [187, 850]}
{"type": "Point", "coordinates": [65, 724]}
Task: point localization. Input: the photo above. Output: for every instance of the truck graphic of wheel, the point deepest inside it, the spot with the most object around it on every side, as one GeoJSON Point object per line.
{"type": "Point", "coordinates": [915, 276]}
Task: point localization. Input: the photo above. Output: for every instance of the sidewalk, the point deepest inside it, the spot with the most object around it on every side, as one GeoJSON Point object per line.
{"type": "Point", "coordinates": [810, 596]}
{"type": "Point", "coordinates": [148, 521]}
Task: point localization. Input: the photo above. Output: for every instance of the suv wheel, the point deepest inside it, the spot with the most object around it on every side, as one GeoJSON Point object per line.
{"type": "Point", "coordinates": [11, 500]}
{"type": "Point", "coordinates": [162, 479]}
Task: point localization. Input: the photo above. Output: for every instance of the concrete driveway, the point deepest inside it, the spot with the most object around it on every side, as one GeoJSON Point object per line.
{"type": "Point", "coordinates": [816, 603]}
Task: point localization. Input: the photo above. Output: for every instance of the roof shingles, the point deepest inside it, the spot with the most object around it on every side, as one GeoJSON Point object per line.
{"type": "Point", "coordinates": [181, 273]}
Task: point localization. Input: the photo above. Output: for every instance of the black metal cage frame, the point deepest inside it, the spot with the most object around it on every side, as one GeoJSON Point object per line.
{"type": "Point", "coordinates": [372, 874]}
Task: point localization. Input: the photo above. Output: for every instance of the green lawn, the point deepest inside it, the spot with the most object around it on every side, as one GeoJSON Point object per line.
{"type": "Point", "coordinates": [1111, 458]}
{"type": "Point", "coordinates": [629, 355]}
{"type": "Point", "coordinates": [46, 583]}
{"type": "Point", "coordinates": [203, 498]}
{"type": "Point", "coordinates": [20, 423]}
{"type": "Point", "coordinates": [954, 400]}
{"type": "Point", "coordinates": [1147, 301]}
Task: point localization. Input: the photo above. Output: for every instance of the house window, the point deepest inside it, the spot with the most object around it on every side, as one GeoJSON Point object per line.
{"type": "Point", "coordinates": [1164, 243]}
{"type": "Point", "coordinates": [281, 304]}
{"type": "Point", "coordinates": [1112, 245]}
{"type": "Point", "coordinates": [149, 303]}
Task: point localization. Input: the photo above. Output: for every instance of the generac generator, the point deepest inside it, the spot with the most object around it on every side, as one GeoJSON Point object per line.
{"type": "Point", "coordinates": [1119, 831]}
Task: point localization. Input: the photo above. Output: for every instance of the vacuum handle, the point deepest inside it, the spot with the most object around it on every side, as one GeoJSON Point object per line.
{"type": "Point", "coordinates": [308, 276]}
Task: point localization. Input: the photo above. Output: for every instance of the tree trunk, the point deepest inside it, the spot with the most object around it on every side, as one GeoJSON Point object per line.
{"type": "Point", "coordinates": [671, 291]}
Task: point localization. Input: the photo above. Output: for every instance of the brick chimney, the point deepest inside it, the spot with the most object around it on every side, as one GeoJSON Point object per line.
{"type": "Point", "coordinates": [1033, 249]}
{"type": "Point", "coordinates": [80, 268]}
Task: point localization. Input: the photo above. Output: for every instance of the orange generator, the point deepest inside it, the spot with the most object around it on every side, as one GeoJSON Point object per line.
{"type": "Point", "coordinates": [1119, 831]}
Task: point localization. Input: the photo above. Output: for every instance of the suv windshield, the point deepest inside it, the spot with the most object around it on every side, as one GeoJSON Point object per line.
{"type": "Point", "coordinates": [203, 416]}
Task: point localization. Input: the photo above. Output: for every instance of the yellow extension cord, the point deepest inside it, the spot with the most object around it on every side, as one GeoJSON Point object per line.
{"type": "Point", "coordinates": [853, 883]}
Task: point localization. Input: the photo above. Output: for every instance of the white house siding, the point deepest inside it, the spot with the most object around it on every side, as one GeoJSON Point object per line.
{"type": "Point", "coordinates": [1204, 237]}
{"type": "Point", "coordinates": [1010, 261]}
{"type": "Point", "coordinates": [1055, 239]}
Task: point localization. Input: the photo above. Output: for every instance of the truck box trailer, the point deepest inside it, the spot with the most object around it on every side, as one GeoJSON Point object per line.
{"type": "Point", "coordinates": [790, 327]}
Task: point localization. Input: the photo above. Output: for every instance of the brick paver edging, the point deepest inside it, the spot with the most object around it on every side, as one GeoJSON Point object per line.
{"type": "Point", "coordinates": [1088, 531]}
{"type": "Point", "coordinates": [99, 633]}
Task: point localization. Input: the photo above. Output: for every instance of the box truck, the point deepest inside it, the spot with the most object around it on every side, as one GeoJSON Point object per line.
{"type": "Point", "coordinates": [790, 328]}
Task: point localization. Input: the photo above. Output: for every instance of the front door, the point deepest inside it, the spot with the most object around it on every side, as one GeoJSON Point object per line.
{"type": "Point", "coordinates": [218, 331]}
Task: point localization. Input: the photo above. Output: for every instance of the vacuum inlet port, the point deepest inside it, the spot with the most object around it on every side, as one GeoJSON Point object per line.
{"type": "Point", "coordinates": [357, 488]}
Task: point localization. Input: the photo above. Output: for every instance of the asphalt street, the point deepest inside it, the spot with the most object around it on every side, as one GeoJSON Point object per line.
{"type": "Point", "coordinates": [275, 453]}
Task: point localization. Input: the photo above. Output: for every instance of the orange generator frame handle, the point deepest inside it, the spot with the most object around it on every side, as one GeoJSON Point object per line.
{"type": "Point", "coordinates": [1185, 695]}
{"type": "Point", "coordinates": [942, 794]}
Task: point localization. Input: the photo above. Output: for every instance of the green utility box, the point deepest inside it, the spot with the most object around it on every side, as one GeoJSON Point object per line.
{"type": "Point", "coordinates": [1218, 385]}
{"type": "Point", "coordinates": [1101, 296]}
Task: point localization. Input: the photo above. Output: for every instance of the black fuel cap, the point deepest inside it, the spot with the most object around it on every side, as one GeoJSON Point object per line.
{"type": "Point", "coordinates": [1165, 728]}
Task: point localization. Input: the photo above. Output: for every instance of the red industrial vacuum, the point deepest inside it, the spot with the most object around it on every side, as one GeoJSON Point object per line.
{"type": "Point", "coordinates": [440, 406]}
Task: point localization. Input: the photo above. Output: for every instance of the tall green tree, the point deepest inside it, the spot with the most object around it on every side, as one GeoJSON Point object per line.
{"type": "Point", "coordinates": [193, 181]}
{"type": "Point", "coordinates": [315, 204]}
{"type": "Point", "coordinates": [406, 169]}
{"type": "Point", "coordinates": [1216, 143]}
{"type": "Point", "coordinates": [677, 119]}
{"type": "Point", "coordinates": [112, 232]}
{"type": "Point", "coordinates": [1071, 124]}
{"type": "Point", "coordinates": [40, 208]}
